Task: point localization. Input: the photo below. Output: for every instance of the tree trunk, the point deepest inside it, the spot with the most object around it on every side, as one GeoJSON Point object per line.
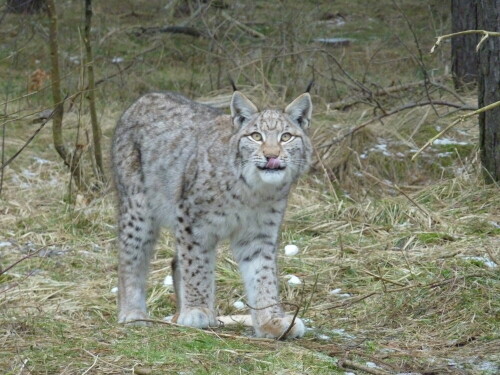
{"type": "Point", "coordinates": [488, 12]}
{"type": "Point", "coordinates": [96, 129]}
{"type": "Point", "coordinates": [464, 60]}
{"type": "Point", "coordinates": [71, 160]}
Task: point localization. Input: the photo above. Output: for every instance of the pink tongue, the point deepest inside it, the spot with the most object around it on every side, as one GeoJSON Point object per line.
{"type": "Point", "coordinates": [273, 163]}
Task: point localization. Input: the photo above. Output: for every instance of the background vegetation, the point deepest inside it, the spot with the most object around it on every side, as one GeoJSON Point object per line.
{"type": "Point", "coordinates": [398, 258]}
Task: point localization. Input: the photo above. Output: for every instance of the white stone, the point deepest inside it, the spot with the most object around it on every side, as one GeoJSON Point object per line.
{"type": "Point", "coordinates": [239, 305]}
{"type": "Point", "coordinates": [291, 250]}
{"type": "Point", "coordinates": [293, 280]}
{"type": "Point", "coordinates": [168, 281]}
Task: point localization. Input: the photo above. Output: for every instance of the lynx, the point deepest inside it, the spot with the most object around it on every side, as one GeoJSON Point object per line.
{"type": "Point", "coordinates": [207, 176]}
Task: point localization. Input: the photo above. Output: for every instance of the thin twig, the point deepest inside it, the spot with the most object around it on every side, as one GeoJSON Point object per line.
{"type": "Point", "coordinates": [370, 370]}
{"type": "Point", "coordinates": [390, 113]}
{"type": "Point", "coordinates": [486, 34]}
{"type": "Point", "coordinates": [209, 331]}
{"type": "Point", "coordinates": [243, 27]}
{"type": "Point", "coordinates": [96, 357]}
{"type": "Point", "coordinates": [28, 141]}
{"type": "Point", "coordinates": [379, 277]}
{"type": "Point", "coordinates": [292, 323]}
{"type": "Point", "coordinates": [458, 120]}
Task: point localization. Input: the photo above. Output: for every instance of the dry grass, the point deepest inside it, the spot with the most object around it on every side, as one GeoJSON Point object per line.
{"type": "Point", "coordinates": [410, 249]}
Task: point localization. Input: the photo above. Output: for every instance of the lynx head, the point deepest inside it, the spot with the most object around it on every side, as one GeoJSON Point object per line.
{"type": "Point", "coordinates": [273, 146]}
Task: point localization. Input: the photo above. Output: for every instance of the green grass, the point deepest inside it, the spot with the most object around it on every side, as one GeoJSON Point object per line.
{"type": "Point", "coordinates": [406, 242]}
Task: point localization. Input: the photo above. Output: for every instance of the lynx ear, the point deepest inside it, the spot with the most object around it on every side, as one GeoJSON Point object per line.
{"type": "Point", "coordinates": [242, 109]}
{"type": "Point", "coordinates": [300, 110]}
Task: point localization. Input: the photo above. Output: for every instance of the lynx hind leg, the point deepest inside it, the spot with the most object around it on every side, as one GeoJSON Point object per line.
{"type": "Point", "coordinates": [137, 236]}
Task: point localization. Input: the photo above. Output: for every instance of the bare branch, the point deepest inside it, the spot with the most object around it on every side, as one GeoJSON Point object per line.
{"type": "Point", "coordinates": [486, 34]}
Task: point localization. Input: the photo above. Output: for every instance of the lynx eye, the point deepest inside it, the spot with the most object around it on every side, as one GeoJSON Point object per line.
{"type": "Point", "coordinates": [285, 137]}
{"type": "Point", "coordinates": [256, 136]}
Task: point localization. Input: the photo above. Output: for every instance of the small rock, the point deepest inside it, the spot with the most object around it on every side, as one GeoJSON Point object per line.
{"type": "Point", "coordinates": [239, 305]}
{"type": "Point", "coordinates": [291, 250]}
{"type": "Point", "coordinates": [293, 280]}
{"type": "Point", "coordinates": [168, 281]}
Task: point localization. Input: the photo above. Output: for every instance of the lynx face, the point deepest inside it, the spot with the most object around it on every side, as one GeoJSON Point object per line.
{"type": "Point", "coordinates": [273, 147]}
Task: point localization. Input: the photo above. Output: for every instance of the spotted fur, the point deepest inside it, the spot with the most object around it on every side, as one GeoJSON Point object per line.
{"type": "Point", "coordinates": [207, 176]}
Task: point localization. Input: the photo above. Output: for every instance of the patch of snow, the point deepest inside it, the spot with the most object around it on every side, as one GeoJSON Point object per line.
{"type": "Point", "coordinates": [291, 250]}
{"type": "Point", "coordinates": [74, 59]}
{"type": "Point", "coordinates": [29, 174]}
{"type": "Point", "coordinates": [168, 281]}
{"type": "Point", "coordinates": [495, 224]}
{"type": "Point", "coordinates": [336, 292]}
{"type": "Point", "coordinates": [293, 280]}
{"type": "Point", "coordinates": [449, 141]}
{"type": "Point", "coordinates": [489, 366]}
{"type": "Point", "coordinates": [40, 160]}
{"type": "Point", "coordinates": [168, 318]}
{"type": "Point", "coordinates": [323, 337]}
{"type": "Point", "coordinates": [444, 154]}
{"type": "Point", "coordinates": [487, 262]}
{"type": "Point", "coordinates": [371, 365]}
{"type": "Point", "coordinates": [117, 60]}
{"type": "Point", "coordinates": [342, 332]}
{"type": "Point", "coordinates": [114, 290]}
{"type": "Point", "coordinates": [239, 305]}
{"type": "Point", "coordinates": [5, 244]}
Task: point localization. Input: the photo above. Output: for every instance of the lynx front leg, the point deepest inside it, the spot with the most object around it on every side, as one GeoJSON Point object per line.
{"type": "Point", "coordinates": [256, 255]}
{"type": "Point", "coordinates": [194, 279]}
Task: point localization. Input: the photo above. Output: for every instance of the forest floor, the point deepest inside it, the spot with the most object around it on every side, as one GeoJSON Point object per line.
{"type": "Point", "coordinates": [398, 260]}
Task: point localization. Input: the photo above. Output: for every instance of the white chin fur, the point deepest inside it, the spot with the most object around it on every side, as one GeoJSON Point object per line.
{"type": "Point", "coordinates": [272, 177]}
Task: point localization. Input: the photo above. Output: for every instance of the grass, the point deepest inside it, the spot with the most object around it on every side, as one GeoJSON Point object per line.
{"type": "Point", "coordinates": [398, 259]}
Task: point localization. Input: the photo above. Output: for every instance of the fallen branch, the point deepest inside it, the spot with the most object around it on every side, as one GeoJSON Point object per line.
{"type": "Point", "coordinates": [347, 363]}
{"type": "Point", "coordinates": [219, 334]}
{"type": "Point", "coordinates": [186, 30]}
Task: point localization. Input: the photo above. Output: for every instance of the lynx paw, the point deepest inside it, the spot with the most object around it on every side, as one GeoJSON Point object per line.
{"type": "Point", "coordinates": [198, 317]}
{"type": "Point", "coordinates": [132, 317]}
{"type": "Point", "coordinates": [275, 327]}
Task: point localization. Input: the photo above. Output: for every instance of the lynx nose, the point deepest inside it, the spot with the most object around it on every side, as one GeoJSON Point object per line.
{"type": "Point", "coordinates": [271, 156]}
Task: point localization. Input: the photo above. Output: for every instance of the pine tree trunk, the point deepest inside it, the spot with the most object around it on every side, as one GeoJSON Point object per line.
{"type": "Point", "coordinates": [464, 59]}
{"type": "Point", "coordinates": [488, 12]}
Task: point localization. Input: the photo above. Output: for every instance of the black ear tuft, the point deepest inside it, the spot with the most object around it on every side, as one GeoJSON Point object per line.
{"type": "Point", "coordinates": [310, 85]}
{"type": "Point", "coordinates": [233, 84]}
